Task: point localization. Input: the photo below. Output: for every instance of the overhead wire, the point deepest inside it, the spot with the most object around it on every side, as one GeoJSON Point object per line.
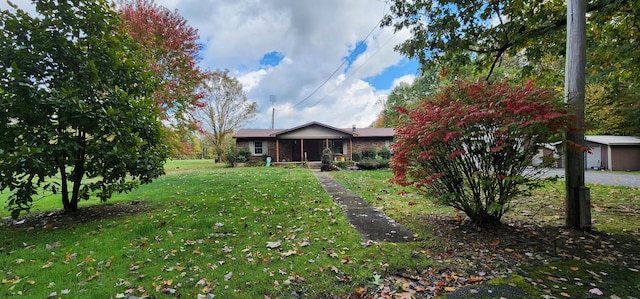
{"type": "Point", "coordinates": [344, 61]}
{"type": "Point", "coordinates": [355, 71]}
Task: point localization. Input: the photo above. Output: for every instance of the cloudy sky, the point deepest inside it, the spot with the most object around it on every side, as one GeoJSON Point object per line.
{"type": "Point", "coordinates": [325, 61]}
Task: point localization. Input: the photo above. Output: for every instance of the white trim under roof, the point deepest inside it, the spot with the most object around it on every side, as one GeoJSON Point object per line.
{"type": "Point", "coordinates": [613, 140]}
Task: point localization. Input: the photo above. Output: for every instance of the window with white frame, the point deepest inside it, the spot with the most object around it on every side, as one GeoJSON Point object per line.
{"type": "Point", "coordinates": [259, 148]}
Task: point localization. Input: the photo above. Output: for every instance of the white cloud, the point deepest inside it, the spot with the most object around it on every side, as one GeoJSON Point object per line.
{"type": "Point", "coordinates": [408, 79]}
{"type": "Point", "coordinates": [250, 80]}
{"type": "Point", "coordinates": [315, 37]}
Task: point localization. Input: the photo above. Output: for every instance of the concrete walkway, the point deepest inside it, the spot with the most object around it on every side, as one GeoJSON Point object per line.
{"type": "Point", "coordinates": [373, 224]}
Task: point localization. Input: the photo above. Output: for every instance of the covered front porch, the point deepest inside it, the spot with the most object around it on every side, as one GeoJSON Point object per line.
{"type": "Point", "coordinates": [310, 150]}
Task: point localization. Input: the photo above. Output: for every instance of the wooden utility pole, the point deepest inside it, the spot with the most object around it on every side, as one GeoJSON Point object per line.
{"type": "Point", "coordinates": [273, 110]}
{"type": "Point", "coordinates": [577, 201]}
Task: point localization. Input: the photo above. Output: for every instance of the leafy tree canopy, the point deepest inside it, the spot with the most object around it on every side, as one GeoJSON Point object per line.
{"type": "Point", "coordinates": [225, 109]}
{"type": "Point", "coordinates": [463, 32]}
{"type": "Point", "coordinates": [170, 46]}
{"type": "Point", "coordinates": [74, 105]}
{"type": "Point", "coordinates": [483, 33]}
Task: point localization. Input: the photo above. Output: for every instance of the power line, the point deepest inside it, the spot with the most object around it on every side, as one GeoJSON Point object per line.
{"type": "Point", "coordinates": [341, 65]}
{"type": "Point", "coordinates": [355, 71]}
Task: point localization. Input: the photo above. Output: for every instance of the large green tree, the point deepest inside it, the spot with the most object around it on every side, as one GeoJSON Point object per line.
{"type": "Point", "coordinates": [483, 33]}
{"type": "Point", "coordinates": [612, 108]}
{"type": "Point", "coordinates": [73, 106]}
{"type": "Point", "coordinates": [613, 79]}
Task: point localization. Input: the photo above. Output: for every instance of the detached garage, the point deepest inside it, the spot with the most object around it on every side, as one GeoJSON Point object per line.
{"type": "Point", "coordinates": [613, 152]}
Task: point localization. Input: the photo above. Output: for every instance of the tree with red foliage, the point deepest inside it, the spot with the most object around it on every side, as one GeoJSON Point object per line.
{"type": "Point", "coordinates": [170, 47]}
{"type": "Point", "coordinates": [470, 145]}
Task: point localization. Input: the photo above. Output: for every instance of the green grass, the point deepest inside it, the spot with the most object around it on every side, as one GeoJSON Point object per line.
{"type": "Point", "coordinates": [256, 232]}
{"type": "Point", "coordinates": [49, 201]}
{"type": "Point", "coordinates": [575, 279]}
{"type": "Point", "coordinates": [230, 232]}
{"type": "Point", "coordinates": [578, 278]}
{"type": "Point", "coordinates": [615, 209]}
{"type": "Point", "coordinates": [403, 204]}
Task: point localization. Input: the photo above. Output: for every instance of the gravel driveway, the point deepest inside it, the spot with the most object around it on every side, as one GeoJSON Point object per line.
{"type": "Point", "coordinates": [631, 179]}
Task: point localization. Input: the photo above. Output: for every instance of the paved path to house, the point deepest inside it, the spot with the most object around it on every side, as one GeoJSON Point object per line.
{"type": "Point", "coordinates": [371, 223]}
{"type": "Point", "coordinates": [376, 226]}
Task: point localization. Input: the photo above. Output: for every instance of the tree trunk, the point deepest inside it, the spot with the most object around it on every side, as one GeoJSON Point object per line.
{"type": "Point", "coordinates": [484, 219]}
{"type": "Point", "coordinates": [78, 173]}
{"type": "Point", "coordinates": [574, 97]}
{"type": "Point", "coordinates": [64, 186]}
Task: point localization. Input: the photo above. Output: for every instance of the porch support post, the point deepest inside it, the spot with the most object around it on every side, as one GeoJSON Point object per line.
{"type": "Point", "coordinates": [277, 150]}
{"type": "Point", "coordinates": [302, 150]}
{"type": "Point", "coordinates": [351, 149]}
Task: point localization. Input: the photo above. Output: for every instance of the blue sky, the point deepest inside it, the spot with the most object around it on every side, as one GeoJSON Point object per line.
{"type": "Point", "coordinates": [359, 48]}
{"type": "Point", "coordinates": [385, 79]}
{"type": "Point", "coordinates": [271, 59]}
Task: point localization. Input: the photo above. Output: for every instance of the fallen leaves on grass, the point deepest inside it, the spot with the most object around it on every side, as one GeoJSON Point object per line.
{"type": "Point", "coordinates": [51, 219]}
{"type": "Point", "coordinates": [470, 255]}
{"type": "Point", "coordinates": [596, 291]}
{"type": "Point", "coordinates": [275, 244]}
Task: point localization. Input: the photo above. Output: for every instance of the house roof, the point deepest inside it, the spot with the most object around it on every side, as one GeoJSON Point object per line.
{"type": "Point", "coordinates": [375, 132]}
{"type": "Point", "coordinates": [254, 133]}
{"type": "Point", "coordinates": [357, 132]}
{"type": "Point", "coordinates": [613, 140]}
{"type": "Point", "coordinates": [311, 124]}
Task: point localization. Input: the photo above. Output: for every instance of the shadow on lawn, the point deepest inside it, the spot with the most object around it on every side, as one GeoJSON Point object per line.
{"type": "Point", "coordinates": [56, 218]}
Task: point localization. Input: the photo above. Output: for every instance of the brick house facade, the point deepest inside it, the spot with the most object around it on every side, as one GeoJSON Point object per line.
{"type": "Point", "coordinates": [306, 142]}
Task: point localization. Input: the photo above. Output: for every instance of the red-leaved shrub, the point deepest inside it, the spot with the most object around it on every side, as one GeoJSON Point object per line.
{"type": "Point", "coordinates": [470, 145]}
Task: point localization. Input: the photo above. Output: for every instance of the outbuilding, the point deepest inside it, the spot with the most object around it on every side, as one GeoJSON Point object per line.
{"type": "Point", "coordinates": [610, 152]}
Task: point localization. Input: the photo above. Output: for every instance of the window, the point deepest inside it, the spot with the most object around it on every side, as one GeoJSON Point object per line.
{"type": "Point", "coordinates": [257, 148]}
{"type": "Point", "coordinates": [337, 147]}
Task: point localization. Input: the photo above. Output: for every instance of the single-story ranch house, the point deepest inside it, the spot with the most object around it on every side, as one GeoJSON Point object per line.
{"type": "Point", "coordinates": [306, 142]}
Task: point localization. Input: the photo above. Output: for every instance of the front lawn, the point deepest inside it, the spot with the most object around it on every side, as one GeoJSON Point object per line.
{"type": "Point", "coordinates": [204, 230]}
{"type": "Point", "coordinates": [199, 231]}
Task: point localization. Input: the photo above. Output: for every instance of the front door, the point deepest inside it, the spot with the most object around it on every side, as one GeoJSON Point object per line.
{"type": "Point", "coordinates": [313, 148]}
